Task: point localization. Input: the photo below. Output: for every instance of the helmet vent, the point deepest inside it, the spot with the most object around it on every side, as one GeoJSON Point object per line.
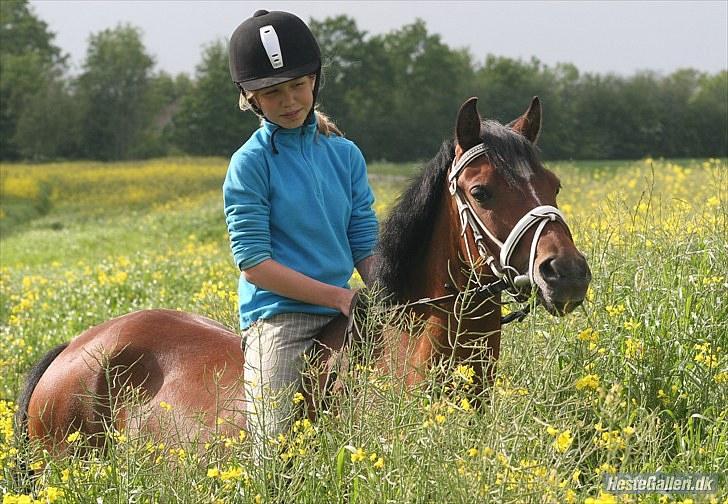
{"type": "Point", "coordinates": [272, 46]}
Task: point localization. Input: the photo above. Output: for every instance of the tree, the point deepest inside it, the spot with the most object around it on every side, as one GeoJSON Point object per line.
{"type": "Point", "coordinates": [343, 51]}
{"type": "Point", "coordinates": [209, 121]}
{"type": "Point", "coordinates": [708, 110]}
{"type": "Point", "coordinates": [30, 66]}
{"type": "Point", "coordinates": [113, 92]}
{"type": "Point", "coordinates": [48, 127]}
{"type": "Point", "coordinates": [427, 82]}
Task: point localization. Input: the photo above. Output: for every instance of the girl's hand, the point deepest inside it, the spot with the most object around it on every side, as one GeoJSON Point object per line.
{"type": "Point", "coordinates": [347, 298]}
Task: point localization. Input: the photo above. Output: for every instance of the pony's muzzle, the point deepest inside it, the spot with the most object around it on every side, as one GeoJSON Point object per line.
{"type": "Point", "coordinates": [567, 279]}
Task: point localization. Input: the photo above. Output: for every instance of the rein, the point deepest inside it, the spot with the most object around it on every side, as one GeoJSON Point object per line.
{"type": "Point", "coordinates": [487, 290]}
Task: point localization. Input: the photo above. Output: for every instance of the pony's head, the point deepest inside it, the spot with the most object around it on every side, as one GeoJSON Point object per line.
{"type": "Point", "coordinates": [506, 200]}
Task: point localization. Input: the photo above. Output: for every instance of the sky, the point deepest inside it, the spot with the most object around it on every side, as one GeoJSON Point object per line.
{"type": "Point", "coordinates": [597, 36]}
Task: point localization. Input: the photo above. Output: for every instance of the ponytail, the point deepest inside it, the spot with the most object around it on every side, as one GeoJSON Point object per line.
{"type": "Point", "coordinates": [326, 126]}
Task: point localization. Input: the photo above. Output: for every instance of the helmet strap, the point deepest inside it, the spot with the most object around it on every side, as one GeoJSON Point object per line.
{"type": "Point", "coordinates": [315, 95]}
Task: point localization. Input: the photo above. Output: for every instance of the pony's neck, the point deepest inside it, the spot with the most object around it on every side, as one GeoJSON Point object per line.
{"type": "Point", "coordinates": [448, 274]}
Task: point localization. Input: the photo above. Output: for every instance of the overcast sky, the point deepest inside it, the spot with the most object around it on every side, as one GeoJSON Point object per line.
{"type": "Point", "coordinates": [614, 36]}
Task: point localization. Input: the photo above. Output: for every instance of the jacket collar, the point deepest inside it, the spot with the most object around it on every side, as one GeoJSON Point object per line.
{"type": "Point", "coordinates": [308, 128]}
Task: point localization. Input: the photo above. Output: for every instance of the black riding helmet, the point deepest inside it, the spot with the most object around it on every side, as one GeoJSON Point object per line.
{"type": "Point", "coordinates": [270, 48]}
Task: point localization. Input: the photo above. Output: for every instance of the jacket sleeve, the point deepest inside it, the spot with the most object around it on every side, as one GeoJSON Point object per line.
{"type": "Point", "coordinates": [247, 210]}
{"type": "Point", "coordinates": [363, 226]}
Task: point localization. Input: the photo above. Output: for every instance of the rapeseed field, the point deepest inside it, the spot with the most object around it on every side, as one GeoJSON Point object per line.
{"type": "Point", "coordinates": [635, 381]}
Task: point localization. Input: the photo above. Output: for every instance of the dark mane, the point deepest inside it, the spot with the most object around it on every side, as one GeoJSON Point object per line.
{"type": "Point", "coordinates": [407, 232]}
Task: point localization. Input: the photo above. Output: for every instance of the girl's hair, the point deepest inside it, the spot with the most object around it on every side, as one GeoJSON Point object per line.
{"type": "Point", "coordinates": [324, 123]}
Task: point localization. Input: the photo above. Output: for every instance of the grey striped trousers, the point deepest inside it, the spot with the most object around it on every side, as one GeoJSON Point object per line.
{"type": "Point", "coordinates": [275, 350]}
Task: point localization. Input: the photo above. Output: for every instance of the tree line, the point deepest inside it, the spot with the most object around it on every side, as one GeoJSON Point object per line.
{"type": "Point", "coordinates": [395, 94]}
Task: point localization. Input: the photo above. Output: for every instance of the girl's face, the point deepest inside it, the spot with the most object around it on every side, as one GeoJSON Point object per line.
{"type": "Point", "coordinates": [289, 103]}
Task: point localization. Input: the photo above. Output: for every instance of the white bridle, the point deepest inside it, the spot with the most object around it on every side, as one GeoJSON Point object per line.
{"type": "Point", "coordinates": [539, 216]}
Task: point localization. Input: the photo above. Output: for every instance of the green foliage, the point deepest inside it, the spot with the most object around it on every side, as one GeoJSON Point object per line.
{"type": "Point", "coordinates": [113, 92]}
{"type": "Point", "coordinates": [29, 66]}
{"type": "Point", "coordinates": [395, 94]}
{"type": "Point", "coordinates": [208, 120]}
{"type": "Point", "coordinates": [49, 126]}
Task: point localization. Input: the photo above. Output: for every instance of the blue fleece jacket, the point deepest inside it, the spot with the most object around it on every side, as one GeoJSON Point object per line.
{"type": "Point", "coordinates": [308, 207]}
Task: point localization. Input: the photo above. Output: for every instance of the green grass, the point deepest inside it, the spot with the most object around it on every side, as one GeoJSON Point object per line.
{"type": "Point", "coordinates": [636, 381]}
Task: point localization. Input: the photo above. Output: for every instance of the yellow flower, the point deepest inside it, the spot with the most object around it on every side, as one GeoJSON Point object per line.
{"type": "Point", "coordinates": [213, 472]}
{"type": "Point", "coordinates": [575, 476]}
{"type": "Point", "coordinates": [588, 334]}
{"type": "Point", "coordinates": [611, 440]}
{"type": "Point", "coordinates": [358, 455]}
{"type": "Point", "coordinates": [602, 498]}
{"type": "Point", "coordinates": [52, 493]}
{"type": "Point", "coordinates": [17, 499]}
{"type": "Point", "coordinates": [615, 311]}
{"type": "Point", "coordinates": [570, 496]}
{"type": "Point", "coordinates": [298, 398]}
{"type": "Point", "coordinates": [232, 473]}
{"type": "Point", "coordinates": [590, 381]}
{"type": "Point", "coordinates": [563, 441]}
{"type": "Point", "coordinates": [634, 349]}
{"type": "Point", "coordinates": [608, 468]}
{"type": "Point", "coordinates": [464, 373]}
{"type": "Point", "coordinates": [165, 406]}
{"type": "Point", "coordinates": [73, 437]}
{"type": "Point", "coordinates": [706, 356]}
{"type": "Point", "coordinates": [473, 452]}
{"type": "Point", "coordinates": [632, 324]}
{"type": "Point", "coordinates": [465, 404]}
{"type": "Point", "coordinates": [379, 464]}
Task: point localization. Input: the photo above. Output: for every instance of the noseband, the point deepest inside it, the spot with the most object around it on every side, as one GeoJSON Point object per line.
{"type": "Point", "coordinates": [515, 283]}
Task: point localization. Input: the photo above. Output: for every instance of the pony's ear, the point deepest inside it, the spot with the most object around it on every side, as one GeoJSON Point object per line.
{"type": "Point", "coordinates": [529, 124]}
{"type": "Point", "coordinates": [467, 127]}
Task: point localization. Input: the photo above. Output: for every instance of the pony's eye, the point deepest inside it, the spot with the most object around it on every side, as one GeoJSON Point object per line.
{"type": "Point", "coordinates": [558, 189]}
{"type": "Point", "coordinates": [480, 194]}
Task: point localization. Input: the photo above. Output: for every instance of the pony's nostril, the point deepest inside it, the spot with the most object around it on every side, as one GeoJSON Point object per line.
{"type": "Point", "coordinates": [547, 269]}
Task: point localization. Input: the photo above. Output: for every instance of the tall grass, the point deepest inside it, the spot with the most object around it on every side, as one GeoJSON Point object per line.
{"type": "Point", "coordinates": [636, 381]}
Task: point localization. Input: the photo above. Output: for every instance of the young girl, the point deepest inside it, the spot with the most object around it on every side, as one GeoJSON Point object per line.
{"type": "Point", "coordinates": [299, 213]}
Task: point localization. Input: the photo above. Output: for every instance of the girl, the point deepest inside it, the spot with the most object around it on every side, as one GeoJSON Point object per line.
{"type": "Point", "coordinates": [299, 213]}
